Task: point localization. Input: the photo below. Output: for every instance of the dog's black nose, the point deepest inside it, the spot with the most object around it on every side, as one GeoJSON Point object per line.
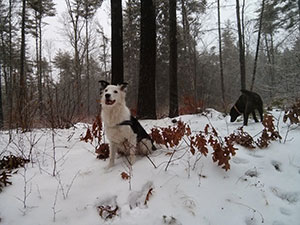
{"type": "Point", "coordinates": [107, 95]}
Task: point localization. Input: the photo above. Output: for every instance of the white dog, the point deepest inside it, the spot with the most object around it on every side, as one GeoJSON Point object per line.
{"type": "Point", "coordinates": [124, 132]}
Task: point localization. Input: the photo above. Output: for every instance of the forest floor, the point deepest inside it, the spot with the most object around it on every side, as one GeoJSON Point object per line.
{"type": "Point", "coordinates": [261, 187]}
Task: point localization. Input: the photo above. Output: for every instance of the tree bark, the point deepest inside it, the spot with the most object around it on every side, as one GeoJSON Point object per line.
{"type": "Point", "coordinates": [173, 88]}
{"type": "Point", "coordinates": [22, 84]}
{"type": "Point", "coordinates": [241, 47]}
{"type": "Point", "coordinates": [257, 45]}
{"type": "Point", "coordinates": [1, 110]}
{"type": "Point", "coordinates": [146, 92]}
{"type": "Point", "coordinates": [117, 42]}
{"type": "Point", "coordinates": [221, 56]}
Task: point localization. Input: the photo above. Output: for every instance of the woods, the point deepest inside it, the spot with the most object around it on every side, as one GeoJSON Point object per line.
{"type": "Point", "coordinates": [174, 57]}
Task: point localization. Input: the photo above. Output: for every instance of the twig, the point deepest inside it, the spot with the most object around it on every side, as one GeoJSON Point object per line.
{"type": "Point", "coordinates": [170, 159]}
{"type": "Point", "coordinates": [54, 205]}
{"type": "Point", "coordinates": [151, 161]}
{"type": "Point", "coordinates": [254, 210]}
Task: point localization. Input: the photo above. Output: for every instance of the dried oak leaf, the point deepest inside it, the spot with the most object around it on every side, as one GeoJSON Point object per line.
{"type": "Point", "coordinates": [106, 212]}
{"type": "Point", "coordinates": [125, 176]}
{"type": "Point", "coordinates": [102, 151]}
{"type": "Point", "coordinates": [148, 196]}
{"type": "Point", "coordinates": [88, 136]}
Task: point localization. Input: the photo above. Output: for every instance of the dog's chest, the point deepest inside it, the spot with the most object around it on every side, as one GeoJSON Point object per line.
{"type": "Point", "coordinates": [117, 133]}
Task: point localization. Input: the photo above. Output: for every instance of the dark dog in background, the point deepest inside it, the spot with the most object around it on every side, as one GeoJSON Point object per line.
{"type": "Point", "coordinates": [247, 103]}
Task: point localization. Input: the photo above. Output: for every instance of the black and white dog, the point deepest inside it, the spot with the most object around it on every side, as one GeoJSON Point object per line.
{"type": "Point", "coordinates": [124, 132]}
{"type": "Point", "coordinates": [247, 103]}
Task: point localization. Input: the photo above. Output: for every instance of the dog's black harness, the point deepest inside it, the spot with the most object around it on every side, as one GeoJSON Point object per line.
{"type": "Point", "coordinates": [136, 128]}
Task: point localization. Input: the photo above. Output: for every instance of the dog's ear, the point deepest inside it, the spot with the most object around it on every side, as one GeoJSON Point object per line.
{"type": "Point", "coordinates": [123, 86]}
{"type": "Point", "coordinates": [103, 85]}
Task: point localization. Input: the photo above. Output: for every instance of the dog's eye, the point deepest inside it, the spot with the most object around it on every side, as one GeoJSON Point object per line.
{"type": "Point", "coordinates": [116, 92]}
{"type": "Point", "coordinates": [105, 90]}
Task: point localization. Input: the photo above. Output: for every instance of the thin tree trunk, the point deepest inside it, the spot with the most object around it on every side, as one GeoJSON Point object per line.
{"type": "Point", "coordinates": [241, 47]}
{"type": "Point", "coordinates": [22, 85]}
{"type": "Point", "coordinates": [87, 59]}
{"type": "Point", "coordinates": [258, 43]}
{"type": "Point", "coordinates": [173, 88]}
{"type": "Point", "coordinates": [221, 57]}
{"type": "Point", "coordinates": [117, 42]}
{"type": "Point", "coordinates": [146, 91]}
{"type": "Point", "coordinates": [40, 61]}
{"type": "Point", "coordinates": [10, 88]}
{"type": "Point", "coordinates": [299, 14]}
{"type": "Point", "coordinates": [1, 110]}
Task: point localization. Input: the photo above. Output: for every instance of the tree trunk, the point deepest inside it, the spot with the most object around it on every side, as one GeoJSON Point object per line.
{"type": "Point", "coordinates": [299, 14]}
{"type": "Point", "coordinates": [221, 57]}
{"type": "Point", "coordinates": [241, 47]}
{"type": "Point", "coordinates": [22, 84]}
{"type": "Point", "coordinates": [40, 72]}
{"type": "Point", "coordinates": [173, 89]}
{"type": "Point", "coordinates": [87, 59]}
{"type": "Point", "coordinates": [146, 92]}
{"type": "Point", "coordinates": [1, 110]}
{"type": "Point", "coordinates": [117, 42]}
{"type": "Point", "coordinates": [258, 43]}
{"type": "Point", "coordinates": [10, 87]}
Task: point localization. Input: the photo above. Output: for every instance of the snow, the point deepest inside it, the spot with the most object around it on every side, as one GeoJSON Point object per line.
{"type": "Point", "coordinates": [262, 186]}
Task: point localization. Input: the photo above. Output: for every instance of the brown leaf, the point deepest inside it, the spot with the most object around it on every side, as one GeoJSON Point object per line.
{"type": "Point", "coordinates": [148, 196]}
{"type": "Point", "coordinates": [125, 176]}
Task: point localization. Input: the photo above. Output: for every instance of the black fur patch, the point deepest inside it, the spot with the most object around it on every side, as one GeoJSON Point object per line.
{"type": "Point", "coordinates": [247, 103]}
{"type": "Point", "coordinates": [137, 129]}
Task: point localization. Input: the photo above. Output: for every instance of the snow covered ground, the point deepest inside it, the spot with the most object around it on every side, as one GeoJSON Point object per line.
{"type": "Point", "coordinates": [262, 186]}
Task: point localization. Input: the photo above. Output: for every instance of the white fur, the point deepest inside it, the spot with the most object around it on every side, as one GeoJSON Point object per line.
{"type": "Point", "coordinates": [121, 138]}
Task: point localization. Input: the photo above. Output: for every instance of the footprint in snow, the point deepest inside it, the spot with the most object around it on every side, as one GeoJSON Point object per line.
{"type": "Point", "coordinates": [285, 211]}
{"type": "Point", "coordinates": [170, 220]}
{"type": "Point", "coordinates": [252, 173]}
{"type": "Point", "coordinates": [138, 198]}
{"type": "Point", "coordinates": [291, 197]}
{"type": "Point", "coordinates": [109, 200]}
{"type": "Point", "coordinates": [278, 223]}
{"type": "Point", "coordinates": [250, 221]}
{"type": "Point", "coordinates": [277, 165]}
{"type": "Point", "coordinates": [238, 160]}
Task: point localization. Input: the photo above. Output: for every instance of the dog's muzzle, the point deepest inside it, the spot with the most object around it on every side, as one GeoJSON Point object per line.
{"type": "Point", "coordinates": [108, 101]}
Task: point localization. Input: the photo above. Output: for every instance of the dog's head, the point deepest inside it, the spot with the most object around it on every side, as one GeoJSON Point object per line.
{"type": "Point", "coordinates": [233, 114]}
{"type": "Point", "coordinates": [112, 95]}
